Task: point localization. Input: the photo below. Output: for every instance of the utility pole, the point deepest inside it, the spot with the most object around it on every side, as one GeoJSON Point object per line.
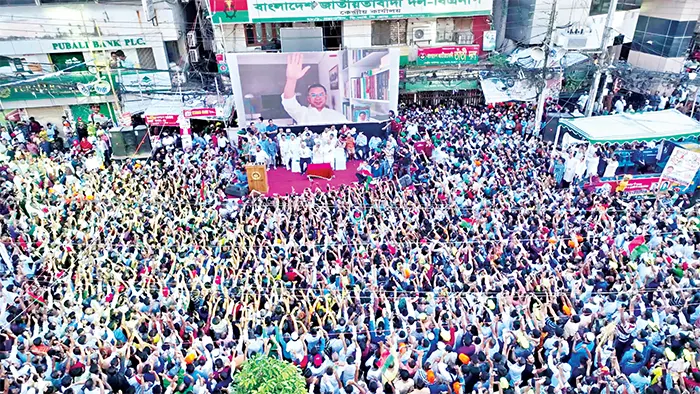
{"type": "Point", "coordinates": [603, 59]}
{"type": "Point", "coordinates": [547, 44]}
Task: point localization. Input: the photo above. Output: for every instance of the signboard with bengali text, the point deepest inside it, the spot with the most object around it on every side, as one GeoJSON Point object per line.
{"type": "Point", "coordinates": [258, 11]}
{"type": "Point", "coordinates": [200, 113]}
{"type": "Point", "coordinates": [162, 120]}
{"type": "Point", "coordinates": [449, 55]}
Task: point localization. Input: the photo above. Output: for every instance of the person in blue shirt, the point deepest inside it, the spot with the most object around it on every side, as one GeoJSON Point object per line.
{"type": "Point", "coordinates": [633, 361]}
{"type": "Point", "coordinates": [582, 350]}
{"type": "Point", "coordinates": [271, 128]}
{"type": "Point", "coordinates": [640, 380]}
{"type": "Point", "coordinates": [260, 125]}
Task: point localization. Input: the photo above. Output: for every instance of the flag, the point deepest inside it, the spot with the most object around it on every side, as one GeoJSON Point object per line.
{"type": "Point", "coordinates": [36, 297]}
{"type": "Point", "coordinates": [467, 223]}
{"type": "Point", "coordinates": [636, 247]}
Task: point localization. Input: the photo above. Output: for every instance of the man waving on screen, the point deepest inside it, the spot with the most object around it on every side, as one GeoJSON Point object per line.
{"type": "Point", "coordinates": [316, 96]}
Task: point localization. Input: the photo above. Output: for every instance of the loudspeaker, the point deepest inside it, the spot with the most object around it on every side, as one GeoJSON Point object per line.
{"type": "Point", "coordinates": [117, 139]}
{"type": "Point", "coordinates": [145, 147]}
{"type": "Point", "coordinates": [405, 181]}
{"type": "Point", "coordinates": [236, 190]}
{"type": "Point", "coordinates": [549, 131]}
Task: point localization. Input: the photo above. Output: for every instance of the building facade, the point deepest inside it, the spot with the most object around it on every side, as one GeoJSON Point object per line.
{"type": "Point", "coordinates": [663, 34]}
{"type": "Point", "coordinates": [55, 56]}
{"type": "Point", "coordinates": [254, 25]}
{"type": "Point", "coordinates": [579, 24]}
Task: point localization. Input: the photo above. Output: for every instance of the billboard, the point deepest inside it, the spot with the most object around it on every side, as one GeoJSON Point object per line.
{"type": "Point", "coordinates": [315, 88]}
{"type": "Point", "coordinates": [258, 11]}
{"type": "Point", "coordinates": [682, 166]}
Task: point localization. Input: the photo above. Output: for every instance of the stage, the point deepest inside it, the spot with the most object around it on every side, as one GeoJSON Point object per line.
{"type": "Point", "coordinates": [282, 181]}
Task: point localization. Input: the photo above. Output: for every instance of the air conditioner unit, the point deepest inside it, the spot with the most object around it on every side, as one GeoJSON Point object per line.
{"type": "Point", "coordinates": [422, 33]}
{"type": "Point", "coordinates": [194, 55]}
{"type": "Point", "coordinates": [464, 37]}
{"type": "Point", "coordinates": [192, 39]}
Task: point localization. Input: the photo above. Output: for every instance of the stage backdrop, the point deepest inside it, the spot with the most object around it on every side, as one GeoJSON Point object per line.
{"type": "Point", "coordinates": [315, 88]}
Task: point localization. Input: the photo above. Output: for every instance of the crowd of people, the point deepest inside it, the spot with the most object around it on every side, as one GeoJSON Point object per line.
{"type": "Point", "coordinates": [485, 275]}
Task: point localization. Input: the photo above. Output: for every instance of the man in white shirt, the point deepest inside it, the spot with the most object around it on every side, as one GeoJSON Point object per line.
{"type": "Point", "coordinates": [261, 157]}
{"type": "Point", "coordinates": [570, 171]}
{"type": "Point", "coordinates": [316, 96]}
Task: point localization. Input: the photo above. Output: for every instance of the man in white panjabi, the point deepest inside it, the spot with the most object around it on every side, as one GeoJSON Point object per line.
{"type": "Point", "coordinates": [316, 96]}
{"type": "Point", "coordinates": [261, 157]}
{"type": "Point", "coordinates": [317, 152]}
{"type": "Point", "coordinates": [294, 152]}
{"type": "Point", "coordinates": [286, 150]}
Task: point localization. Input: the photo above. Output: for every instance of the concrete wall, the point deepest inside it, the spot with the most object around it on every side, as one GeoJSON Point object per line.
{"type": "Point", "coordinates": [357, 34]}
{"type": "Point", "coordinates": [76, 21]}
{"type": "Point", "coordinates": [30, 32]}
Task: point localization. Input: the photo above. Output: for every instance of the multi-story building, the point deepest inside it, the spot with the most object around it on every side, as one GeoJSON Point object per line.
{"type": "Point", "coordinates": [433, 34]}
{"type": "Point", "coordinates": [664, 34]}
{"type": "Point", "coordinates": [55, 55]}
{"type": "Point", "coordinates": [249, 25]}
{"type": "Point", "coordinates": [579, 24]}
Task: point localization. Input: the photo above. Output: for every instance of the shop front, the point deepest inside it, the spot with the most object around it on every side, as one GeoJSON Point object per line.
{"type": "Point", "coordinates": [48, 98]}
{"type": "Point", "coordinates": [446, 90]}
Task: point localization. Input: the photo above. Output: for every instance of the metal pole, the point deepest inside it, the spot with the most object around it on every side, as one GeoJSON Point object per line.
{"type": "Point", "coordinates": [547, 47]}
{"type": "Point", "coordinates": [603, 60]}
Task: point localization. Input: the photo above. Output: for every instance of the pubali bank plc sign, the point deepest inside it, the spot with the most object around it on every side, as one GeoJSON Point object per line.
{"type": "Point", "coordinates": [73, 46]}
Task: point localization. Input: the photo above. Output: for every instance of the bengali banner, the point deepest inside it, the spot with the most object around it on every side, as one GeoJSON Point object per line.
{"type": "Point", "coordinates": [292, 11]}
{"type": "Point", "coordinates": [200, 113]}
{"type": "Point", "coordinates": [162, 120]}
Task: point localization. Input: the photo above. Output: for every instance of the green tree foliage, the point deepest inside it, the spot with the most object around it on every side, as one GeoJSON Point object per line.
{"type": "Point", "coordinates": [266, 375]}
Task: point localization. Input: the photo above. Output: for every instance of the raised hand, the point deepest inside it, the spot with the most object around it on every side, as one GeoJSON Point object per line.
{"type": "Point", "coordinates": [295, 66]}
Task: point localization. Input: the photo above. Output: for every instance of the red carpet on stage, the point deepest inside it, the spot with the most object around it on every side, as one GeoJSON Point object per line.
{"type": "Point", "coordinates": [282, 181]}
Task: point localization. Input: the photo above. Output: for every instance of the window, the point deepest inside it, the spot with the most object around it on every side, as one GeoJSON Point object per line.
{"type": "Point", "coordinates": [445, 30]}
{"type": "Point", "coordinates": [146, 59]}
{"type": "Point", "coordinates": [263, 33]}
{"type": "Point", "coordinates": [599, 7]}
{"type": "Point", "coordinates": [17, 2]}
{"type": "Point", "coordinates": [389, 32]}
{"type": "Point", "coordinates": [71, 61]}
{"type": "Point", "coordinates": [173, 51]}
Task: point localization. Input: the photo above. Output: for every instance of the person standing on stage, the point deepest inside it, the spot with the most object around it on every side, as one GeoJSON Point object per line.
{"type": "Point", "coordinates": [304, 156]}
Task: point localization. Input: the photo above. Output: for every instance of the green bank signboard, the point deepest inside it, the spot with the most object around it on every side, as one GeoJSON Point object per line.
{"type": "Point", "coordinates": [84, 84]}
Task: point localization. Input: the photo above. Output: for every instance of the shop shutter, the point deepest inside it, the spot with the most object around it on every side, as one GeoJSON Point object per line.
{"type": "Point", "coordinates": [46, 115]}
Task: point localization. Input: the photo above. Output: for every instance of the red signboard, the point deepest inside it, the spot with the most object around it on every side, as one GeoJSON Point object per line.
{"type": "Point", "coordinates": [200, 113]}
{"type": "Point", "coordinates": [162, 120]}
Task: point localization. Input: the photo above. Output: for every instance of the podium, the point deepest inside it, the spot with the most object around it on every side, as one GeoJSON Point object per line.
{"type": "Point", "coordinates": [257, 178]}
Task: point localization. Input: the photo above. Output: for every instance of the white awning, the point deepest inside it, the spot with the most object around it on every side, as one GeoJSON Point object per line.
{"type": "Point", "coordinates": [648, 126]}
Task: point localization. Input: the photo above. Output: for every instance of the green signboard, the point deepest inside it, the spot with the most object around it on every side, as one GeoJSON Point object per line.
{"type": "Point", "coordinates": [259, 11]}
{"type": "Point", "coordinates": [450, 55]}
{"type": "Point", "coordinates": [441, 85]}
{"type": "Point", "coordinates": [69, 61]}
{"type": "Point", "coordinates": [83, 84]}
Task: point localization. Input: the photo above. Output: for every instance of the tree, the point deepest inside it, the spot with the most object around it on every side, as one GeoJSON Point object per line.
{"type": "Point", "coordinates": [266, 375]}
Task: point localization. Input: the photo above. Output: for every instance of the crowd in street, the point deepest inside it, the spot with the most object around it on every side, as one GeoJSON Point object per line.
{"type": "Point", "coordinates": [489, 274]}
